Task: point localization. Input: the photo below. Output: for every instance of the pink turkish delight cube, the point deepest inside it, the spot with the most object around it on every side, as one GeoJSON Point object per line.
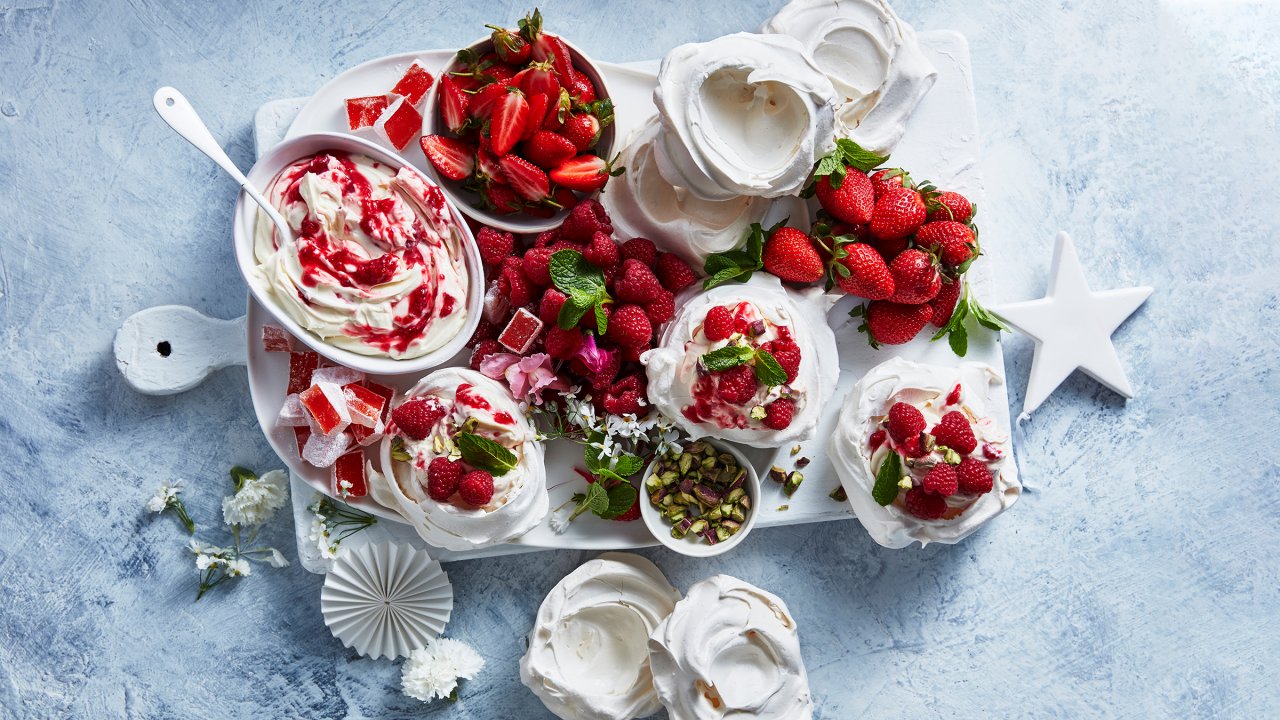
{"type": "Point", "coordinates": [324, 450]}
{"type": "Point", "coordinates": [300, 436]}
{"type": "Point", "coordinates": [275, 339]}
{"type": "Point", "coordinates": [363, 112]}
{"type": "Point", "coordinates": [364, 404]}
{"type": "Point", "coordinates": [301, 365]}
{"type": "Point", "coordinates": [520, 333]}
{"type": "Point", "coordinates": [415, 83]}
{"type": "Point", "coordinates": [326, 407]}
{"type": "Point", "coordinates": [349, 476]}
{"type": "Point", "coordinates": [399, 123]}
{"type": "Point", "coordinates": [336, 374]}
{"type": "Point", "coordinates": [292, 414]}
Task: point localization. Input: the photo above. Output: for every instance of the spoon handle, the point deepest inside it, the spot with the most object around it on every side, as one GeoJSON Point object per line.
{"type": "Point", "coordinates": [175, 110]}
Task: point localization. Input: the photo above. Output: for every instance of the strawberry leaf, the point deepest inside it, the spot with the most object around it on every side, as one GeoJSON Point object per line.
{"type": "Point", "coordinates": [886, 487]}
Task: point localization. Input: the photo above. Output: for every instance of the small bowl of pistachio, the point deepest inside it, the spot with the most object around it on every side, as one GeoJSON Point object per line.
{"type": "Point", "coordinates": [701, 500]}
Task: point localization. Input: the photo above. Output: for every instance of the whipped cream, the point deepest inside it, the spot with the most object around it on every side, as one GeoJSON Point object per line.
{"type": "Point", "coordinates": [642, 203]}
{"type": "Point", "coordinates": [744, 114]}
{"type": "Point", "coordinates": [730, 650]}
{"type": "Point", "coordinates": [872, 59]}
{"type": "Point", "coordinates": [376, 265]}
{"type": "Point", "coordinates": [519, 497]}
{"type": "Point", "coordinates": [588, 656]}
{"type": "Point", "coordinates": [678, 389]}
{"type": "Point", "coordinates": [928, 388]}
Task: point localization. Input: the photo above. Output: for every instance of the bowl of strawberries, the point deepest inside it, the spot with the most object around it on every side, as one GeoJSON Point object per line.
{"type": "Point", "coordinates": [519, 128]}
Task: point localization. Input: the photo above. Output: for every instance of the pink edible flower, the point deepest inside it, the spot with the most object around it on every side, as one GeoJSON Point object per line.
{"type": "Point", "coordinates": [526, 376]}
{"type": "Point", "coordinates": [595, 358]}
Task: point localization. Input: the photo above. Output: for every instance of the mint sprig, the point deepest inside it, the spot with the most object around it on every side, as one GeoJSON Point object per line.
{"type": "Point", "coordinates": [729, 356]}
{"type": "Point", "coordinates": [886, 487]}
{"type": "Point", "coordinates": [955, 331]}
{"type": "Point", "coordinates": [767, 369]}
{"type": "Point", "coordinates": [482, 453]}
{"type": "Point", "coordinates": [584, 286]}
{"type": "Point", "coordinates": [847, 153]}
{"type": "Point", "coordinates": [737, 264]}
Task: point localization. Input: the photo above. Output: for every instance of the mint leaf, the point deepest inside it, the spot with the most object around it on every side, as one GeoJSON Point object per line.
{"type": "Point", "coordinates": [727, 357]}
{"type": "Point", "coordinates": [485, 454]}
{"type": "Point", "coordinates": [602, 320]}
{"type": "Point", "coordinates": [886, 487]}
{"type": "Point", "coordinates": [959, 341]}
{"type": "Point", "coordinates": [621, 498]}
{"type": "Point", "coordinates": [596, 500]}
{"type": "Point", "coordinates": [736, 264]}
{"type": "Point", "coordinates": [628, 465]}
{"type": "Point", "coordinates": [853, 154]}
{"type": "Point", "coordinates": [768, 371]}
{"type": "Point", "coordinates": [571, 312]}
{"type": "Point", "coordinates": [571, 272]}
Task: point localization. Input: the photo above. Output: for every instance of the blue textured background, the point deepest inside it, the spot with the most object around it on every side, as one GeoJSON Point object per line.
{"type": "Point", "coordinates": [1136, 578]}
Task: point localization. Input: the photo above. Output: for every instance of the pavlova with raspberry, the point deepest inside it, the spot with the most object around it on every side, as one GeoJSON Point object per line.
{"type": "Point", "coordinates": [752, 363]}
{"type": "Point", "coordinates": [461, 462]}
{"type": "Point", "coordinates": [922, 454]}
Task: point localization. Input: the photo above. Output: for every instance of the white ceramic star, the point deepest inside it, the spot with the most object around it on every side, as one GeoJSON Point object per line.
{"type": "Point", "coordinates": [1072, 328]}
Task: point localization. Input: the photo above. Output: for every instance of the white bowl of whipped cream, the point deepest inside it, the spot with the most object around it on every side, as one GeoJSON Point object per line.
{"type": "Point", "coordinates": [382, 273]}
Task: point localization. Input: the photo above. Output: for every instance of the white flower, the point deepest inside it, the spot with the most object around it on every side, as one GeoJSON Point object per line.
{"type": "Point", "coordinates": [581, 412]}
{"type": "Point", "coordinates": [667, 435]}
{"type": "Point", "coordinates": [257, 500]}
{"type": "Point", "coordinates": [433, 671]}
{"type": "Point", "coordinates": [239, 567]}
{"type": "Point", "coordinates": [560, 519]}
{"type": "Point", "coordinates": [164, 495]}
{"type": "Point", "coordinates": [277, 559]}
{"type": "Point", "coordinates": [623, 426]}
{"type": "Point", "coordinates": [608, 449]}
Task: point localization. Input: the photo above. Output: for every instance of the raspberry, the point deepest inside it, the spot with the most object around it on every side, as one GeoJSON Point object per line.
{"type": "Point", "coordinates": [719, 323]}
{"type": "Point", "coordinates": [905, 421]}
{"type": "Point", "coordinates": [602, 379]}
{"type": "Point", "coordinates": [443, 476]}
{"type": "Point", "coordinates": [737, 385]}
{"type": "Point", "coordinates": [778, 414]}
{"type": "Point", "coordinates": [637, 284]}
{"type": "Point", "coordinates": [485, 330]}
{"type": "Point", "coordinates": [546, 238]}
{"type": "Point", "coordinates": [787, 353]}
{"type": "Point", "coordinates": [876, 440]}
{"type": "Point", "coordinates": [514, 285]}
{"type": "Point", "coordinates": [941, 480]}
{"type": "Point", "coordinates": [584, 220]}
{"type": "Point", "coordinates": [925, 505]}
{"type": "Point", "coordinates": [912, 447]}
{"type": "Point", "coordinates": [494, 245]}
{"type": "Point", "coordinates": [625, 396]}
{"type": "Point", "coordinates": [602, 252]}
{"type": "Point", "coordinates": [630, 326]}
{"type": "Point", "coordinates": [562, 344]}
{"type": "Point", "coordinates": [640, 249]}
{"type": "Point", "coordinates": [549, 308]}
{"type": "Point", "coordinates": [476, 488]}
{"type": "Point", "coordinates": [483, 350]}
{"type": "Point", "coordinates": [632, 353]}
{"type": "Point", "coordinates": [662, 308]}
{"type": "Point", "coordinates": [416, 417]}
{"type": "Point", "coordinates": [974, 477]}
{"type": "Point", "coordinates": [674, 274]}
{"type": "Point", "coordinates": [953, 431]}
{"type": "Point", "coordinates": [537, 265]}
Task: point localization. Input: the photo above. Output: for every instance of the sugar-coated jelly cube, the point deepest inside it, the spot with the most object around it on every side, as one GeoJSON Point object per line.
{"type": "Point", "coordinates": [382, 390]}
{"type": "Point", "coordinates": [364, 404]}
{"type": "Point", "coordinates": [399, 123]}
{"type": "Point", "coordinates": [275, 339]}
{"type": "Point", "coordinates": [336, 374]}
{"type": "Point", "coordinates": [363, 112]}
{"type": "Point", "coordinates": [520, 332]}
{"type": "Point", "coordinates": [348, 475]}
{"type": "Point", "coordinates": [415, 83]}
{"type": "Point", "coordinates": [300, 436]}
{"type": "Point", "coordinates": [326, 408]}
{"type": "Point", "coordinates": [292, 414]}
{"type": "Point", "coordinates": [301, 365]}
{"type": "Point", "coordinates": [366, 436]}
{"type": "Point", "coordinates": [323, 451]}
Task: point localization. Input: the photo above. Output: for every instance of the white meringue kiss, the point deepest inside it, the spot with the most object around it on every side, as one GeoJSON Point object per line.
{"type": "Point", "coordinates": [588, 656]}
{"type": "Point", "coordinates": [672, 367]}
{"type": "Point", "coordinates": [520, 496]}
{"type": "Point", "coordinates": [730, 650]}
{"type": "Point", "coordinates": [744, 114]}
{"type": "Point", "coordinates": [871, 57]}
{"type": "Point", "coordinates": [918, 384]}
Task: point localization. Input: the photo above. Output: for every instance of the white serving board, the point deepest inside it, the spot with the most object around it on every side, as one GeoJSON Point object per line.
{"type": "Point", "coordinates": [941, 144]}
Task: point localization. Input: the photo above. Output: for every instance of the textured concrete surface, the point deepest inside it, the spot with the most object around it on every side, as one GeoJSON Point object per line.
{"type": "Point", "coordinates": [1137, 578]}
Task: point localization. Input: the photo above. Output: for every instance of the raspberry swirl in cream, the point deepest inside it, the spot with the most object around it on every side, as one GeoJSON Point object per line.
{"type": "Point", "coordinates": [376, 266]}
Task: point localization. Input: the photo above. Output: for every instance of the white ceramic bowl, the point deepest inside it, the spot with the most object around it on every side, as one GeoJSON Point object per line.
{"type": "Point", "coordinates": [264, 171]}
{"type": "Point", "coordinates": [687, 545]}
{"type": "Point", "coordinates": [465, 199]}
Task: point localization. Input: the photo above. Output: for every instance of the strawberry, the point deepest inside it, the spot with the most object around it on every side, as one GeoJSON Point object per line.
{"type": "Point", "coordinates": [416, 418]}
{"type": "Point", "coordinates": [737, 385]}
{"type": "Point", "coordinates": [581, 89]}
{"type": "Point", "coordinates": [537, 265]}
{"type": "Point", "coordinates": [476, 488]}
{"type": "Point", "coordinates": [925, 505]}
{"type": "Point", "coordinates": [640, 249]}
{"type": "Point", "coordinates": [538, 79]}
{"type": "Point", "coordinates": [547, 149]}
{"type": "Point", "coordinates": [500, 198]}
{"type": "Point", "coordinates": [890, 323]}
{"type": "Point", "coordinates": [525, 178]}
{"type": "Point", "coordinates": [852, 201]}
{"type": "Point", "coordinates": [584, 173]}
{"type": "Point", "coordinates": [637, 284]}
{"type": "Point", "coordinates": [558, 112]}
{"type": "Point", "coordinates": [674, 274]}
{"type": "Point", "coordinates": [661, 308]}
{"type": "Point", "coordinates": [905, 421]}
{"type": "Point", "coordinates": [450, 157]}
{"type": "Point", "coordinates": [629, 326]}
{"type": "Point", "coordinates": [941, 480]}
{"type": "Point", "coordinates": [778, 414]}
{"type": "Point", "coordinates": [868, 277]}
{"type": "Point", "coordinates": [954, 431]}
{"type": "Point", "coordinates": [974, 477]}
{"type": "Point", "coordinates": [889, 178]}
{"type": "Point", "coordinates": [481, 104]}
{"type": "Point", "coordinates": [495, 245]}
{"type": "Point", "coordinates": [789, 253]}
{"type": "Point", "coordinates": [511, 47]}
{"type": "Point", "coordinates": [953, 241]}
{"type": "Point", "coordinates": [889, 249]}
{"type": "Point", "coordinates": [487, 166]}
{"type": "Point", "coordinates": [943, 305]}
{"type": "Point", "coordinates": [897, 213]}
{"type": "Point", "coordinates": [915, 279]}
{"type": "Point", "coordinates": [718, 324]}
{"type": "Point", "coordinates": [507, 123]}
{"type": "Point", "coordinates": [602, 252]}
{"type": "Point", "coordinates": [443, 476]}
{"type": "Point", "coordinates": [483, 350]}
{"type": "Point", "coordinates": [950, 206]}
{"type": "Point", "coordinates": [538, 106]}
{"type": "Point", "coordinates": [584, 221]}
{"type": "Point", "coordinates": [582, 129]}
{"type": "Point", "coordinates": [562, 344]}
{"type": "Point", "coordinates": [453, 104]}
{"type": "Point", "coordinates": [565, 198]}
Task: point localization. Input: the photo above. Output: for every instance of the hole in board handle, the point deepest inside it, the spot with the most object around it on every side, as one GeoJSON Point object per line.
{"type": "Point", "coordinates": [164, 348]}
{"type": "Point", "coordinates": [169, 102]}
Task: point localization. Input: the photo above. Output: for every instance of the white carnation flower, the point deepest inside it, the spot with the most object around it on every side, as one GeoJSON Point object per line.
{"type": "Point", "coordinates": [257, 500]}
{"type": "Point", "coordinates": [164, 495]}
{"type": "Point", "coordinates": [277, 559]}
{"type": "Point", "coordinates": [434, 671]}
